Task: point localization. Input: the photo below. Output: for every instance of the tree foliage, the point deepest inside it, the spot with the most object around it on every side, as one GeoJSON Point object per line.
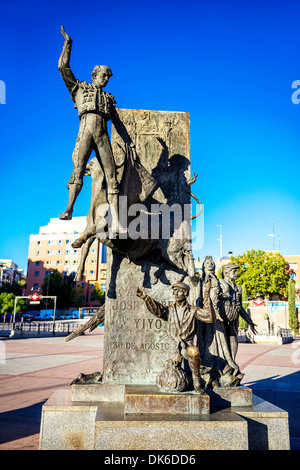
{"type": "Point", "coordinates": [7, 303]}
{"type": "Point", "coordinates": [76, 295]}
{"type": "Point", "coordinates": [262, 273]}
{"type": "Point", "coordinates": [98, 293]}
{"type": "Point", "coordinates": [15, 288]}
{"type": "Point", "coordinates": [57, 284]}
{"type": "Point", "coordinates": [293, 320]}
{"type": "Point", "coordinates": [64, 287]}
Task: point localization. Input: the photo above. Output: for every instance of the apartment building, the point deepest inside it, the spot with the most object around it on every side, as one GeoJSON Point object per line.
{"type": "Point", "coordinates": [294, 264]}
{"type": "Point", "coordinates": [52, 249]}
{"type": "Point", "coordinates": [9, 272]}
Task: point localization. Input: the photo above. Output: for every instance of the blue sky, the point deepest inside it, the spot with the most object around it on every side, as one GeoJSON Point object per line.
{"type": "Point", "coordinates": [229, 64]}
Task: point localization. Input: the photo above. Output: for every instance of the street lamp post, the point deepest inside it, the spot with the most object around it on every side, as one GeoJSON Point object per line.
{"type": "Point", "coordinates": [273, 233]}
{"type": "Point", "coordinates": [221, 241]}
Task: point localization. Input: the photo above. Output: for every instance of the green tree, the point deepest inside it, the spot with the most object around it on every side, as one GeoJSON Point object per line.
{"type": "Point", "coordinates": [7, 303]}
{"type": "Point", "coordinates": [262, 273]}
{"type": "Point", "coordinates": [293, 320]}
{"type": "Point", "coordinates": [57, 284]}
{"type": "Point", "coordinates": [15, 288]}
{"type": "Point", "coordinates": [98, 293]}
{"type": "Point", "coordinates": [76, 296]}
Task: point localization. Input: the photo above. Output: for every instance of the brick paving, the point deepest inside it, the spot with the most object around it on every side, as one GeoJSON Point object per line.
{"type": "Point", "coordinates": [31, 369]}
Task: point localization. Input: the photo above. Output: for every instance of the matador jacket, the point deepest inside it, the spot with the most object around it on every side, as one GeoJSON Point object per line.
{"type": "Point", "coordinates": [86, 96]}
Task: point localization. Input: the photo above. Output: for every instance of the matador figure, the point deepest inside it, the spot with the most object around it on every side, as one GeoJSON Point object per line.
{"type": "Point", "coordinates": [95, 107]}
{"type": "Point", "coordinates": [182, 325]}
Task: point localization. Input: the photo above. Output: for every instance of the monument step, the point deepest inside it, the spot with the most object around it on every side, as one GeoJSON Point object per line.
{"type": "Point", "coordinates": [227, 397]}
{"type": "Point", "coordinates": [141, 399]}
{"type": "Point", "coordinates": [115, 430]}
{"type": "Point", "coordinates": [68, 425]}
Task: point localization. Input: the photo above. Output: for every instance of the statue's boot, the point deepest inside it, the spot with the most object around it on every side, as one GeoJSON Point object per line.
{"type": "Point", "coordinates": [193, 357]}
{"type": "Point", "coordinates": [74, 190]}
{"type": "Point", "coordinates": [197, 384]}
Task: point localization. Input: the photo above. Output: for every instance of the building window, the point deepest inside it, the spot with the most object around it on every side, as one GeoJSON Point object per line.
{"type": "Point", "coordinates": [57, 262]}
{"type": "Point", "coordinates": [59, 252]}
{"type": "Point", "coordinates": [104, 254]}
{"type": "Point", "coordinates": [93, 250]}
{"type": "Point", "coordinates": [38, 243]}
{"type": "Point", "coordinates": [47, 262]}
{"type": "Point", "coordinates": [37, 263]}
{"type": "Point", "coordinates": [91, 272]}
{"type": "Point", "coordinates": [68, 242]}
{"type": "Point", "coordinates": [59, 242]}
{"type": "Point", "coordinates": [38, 252]}
{"type": "Point", "coordinates": [75, 251]}
{"type": "Point", "coordinates": [37, 273]}
{"type": "Point", "coordinates": [35, 286]}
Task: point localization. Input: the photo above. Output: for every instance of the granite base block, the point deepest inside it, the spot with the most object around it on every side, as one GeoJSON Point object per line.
{"type": "Point", "coordinates": [94, 424]}
{"type": "Point", "coordinates": [224, 397]}
{"type": "Point", "coordinates": [268, 425]}
{"type": "Point", "coordinates": [98, 392]}
{"type": "Point", "coordinates": [116, 431]}
{"type": "Point", "coordinates": [149, 399]}
{"type": "Point", "coordinates": [65, 425]}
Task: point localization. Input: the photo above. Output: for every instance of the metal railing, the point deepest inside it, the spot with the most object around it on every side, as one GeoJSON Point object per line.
{"type": "Point", "coordinates": [39, 327]}
{"type": "Point", "coordinates": [285, 332]}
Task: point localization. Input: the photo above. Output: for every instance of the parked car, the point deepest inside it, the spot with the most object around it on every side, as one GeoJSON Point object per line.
{"type": "Point", "coordinates": [28, 317]}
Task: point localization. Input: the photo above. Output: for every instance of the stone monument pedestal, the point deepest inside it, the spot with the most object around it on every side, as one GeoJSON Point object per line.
{"type": "Point", "coordinates": [132, 417]}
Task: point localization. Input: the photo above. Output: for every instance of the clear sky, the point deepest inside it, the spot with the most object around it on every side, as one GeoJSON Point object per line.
{"type": "Point", "coordinates": [230, 64]}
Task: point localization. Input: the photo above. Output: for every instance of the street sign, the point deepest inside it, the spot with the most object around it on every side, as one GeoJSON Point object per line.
{"type": "Point", "coordinates": [34, 302]}
{"type": "Point", "coordinates": [35, 296]}
{"type": "Point", "coordinates": [259, 302]}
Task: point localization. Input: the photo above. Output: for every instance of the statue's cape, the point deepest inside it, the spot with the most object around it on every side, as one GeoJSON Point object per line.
{"type": "Point", "coordinates": [137, 183]}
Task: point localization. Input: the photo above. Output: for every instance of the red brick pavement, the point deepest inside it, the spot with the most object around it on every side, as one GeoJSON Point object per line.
{"type": "Point", "coordinates": [22, 395]}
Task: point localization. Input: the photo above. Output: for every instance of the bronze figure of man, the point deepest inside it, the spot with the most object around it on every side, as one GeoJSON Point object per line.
{"type": "Point", "coordinates": [182, 324]}
{"type": "Point", "coordinates": [95, 107]}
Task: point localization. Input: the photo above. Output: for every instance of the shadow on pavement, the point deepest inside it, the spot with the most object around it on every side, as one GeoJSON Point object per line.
{"type": "Point", "coordinates": [284, 392]}
{"type": "Point", "coordinates": [20, 423]}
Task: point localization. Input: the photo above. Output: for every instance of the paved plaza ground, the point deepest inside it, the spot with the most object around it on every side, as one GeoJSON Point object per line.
{"type": "Point", "coordinates": [31, 369]}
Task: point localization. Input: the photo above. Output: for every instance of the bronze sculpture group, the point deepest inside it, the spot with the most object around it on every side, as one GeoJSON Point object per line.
{"type": "Point", "coordinates": [204, 337]}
